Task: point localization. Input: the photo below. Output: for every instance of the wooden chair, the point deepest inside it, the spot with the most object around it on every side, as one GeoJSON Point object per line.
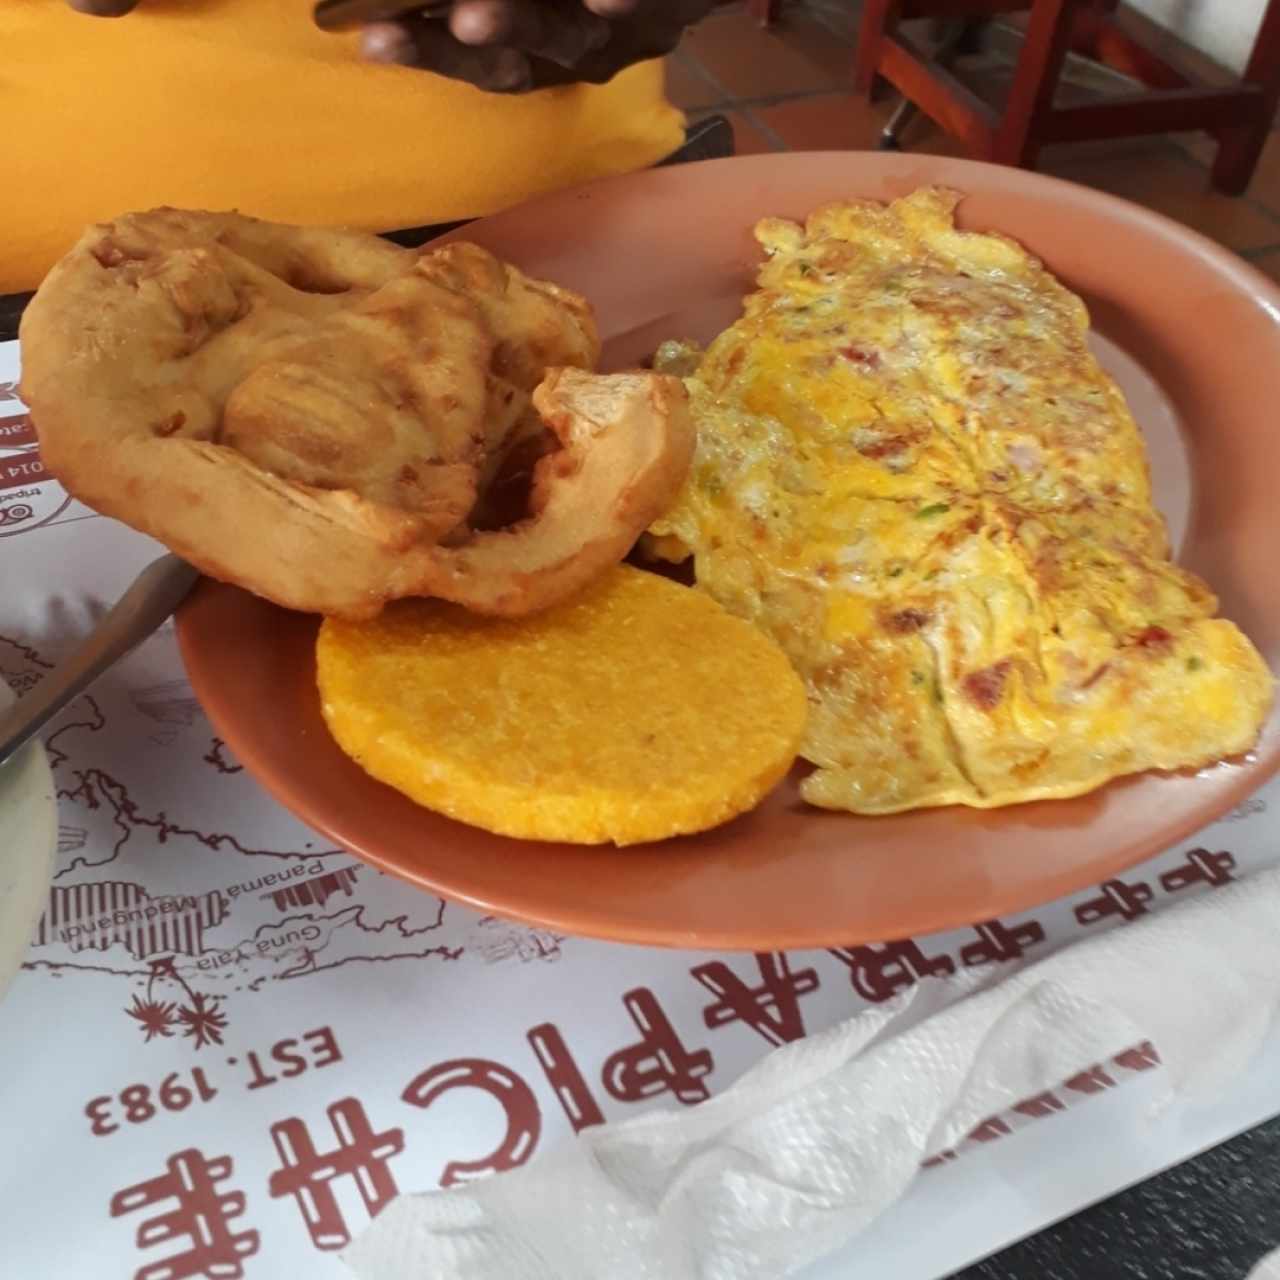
{"type": "Point", "coordinates": [1238, 115]}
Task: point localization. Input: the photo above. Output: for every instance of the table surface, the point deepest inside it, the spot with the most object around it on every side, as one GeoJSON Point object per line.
{"type": "Point", "coordinates": [1210, 1218]}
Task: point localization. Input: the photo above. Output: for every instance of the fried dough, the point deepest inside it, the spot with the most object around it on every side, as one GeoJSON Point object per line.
{"type": "Point", "coordinates": [314, 414]}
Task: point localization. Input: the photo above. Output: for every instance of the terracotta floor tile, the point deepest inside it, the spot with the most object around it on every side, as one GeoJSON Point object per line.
{"type": "Point", "coordinates": [831, 121]}
{"type": "Point", "coordinates": [1123, 165]}
{"type": "Point", "coordinates": [1117, 153]}
{"type": "Point", "coordinates": [922, 135]}
{"type": "Point", "coordinates": [1265, 187]}
{"type": "Point", "coordinates": [1156, 173]}
{"type": "Point", "coordinates": [687, 87]}
{"type": "Point", "coordinates": [1199, 146]}
{"type": "Point", "coordinates": [795, 55]}
{"type": "Point", "coordinates": [841, 16]}
{"type": "Point", "coordinates": [844, 121]}
{"type": "Point", "coordinates": [1268, 263]}
{"type": "Point", "coordinates": [747, 139]}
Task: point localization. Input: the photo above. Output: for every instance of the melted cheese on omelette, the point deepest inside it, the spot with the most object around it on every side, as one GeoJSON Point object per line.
{"type": "Point", "coordinates": [915, 476]}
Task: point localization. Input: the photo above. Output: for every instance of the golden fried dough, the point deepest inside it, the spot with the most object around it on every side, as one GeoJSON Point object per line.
{"type": "Point", "coordinates": [314, 414]}
{"type": "Point", "coordinates": [637, 711]}
{"type": "Point", "coordinates": [626, 441]}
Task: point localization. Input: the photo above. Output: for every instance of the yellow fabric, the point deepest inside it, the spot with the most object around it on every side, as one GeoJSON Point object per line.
{"type": "Point", "coordinates": [246, 104]}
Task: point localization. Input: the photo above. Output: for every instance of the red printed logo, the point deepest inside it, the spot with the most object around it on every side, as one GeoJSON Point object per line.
{"type": "Point", "coordinates": [524, 1120]}
{"type": "Point", "coordinates": [997, 941]}
{"type": "Point", "coordinates": [1118, 898]}
{"type": "Point", "coordinates": [771, 1009]}
{"type": "Point", "coordinates": [659, 1062]}
{"type": "Point", "coordinates": [1200, 867]}
{"type": "Point", "coordinates": [878, 971]}
{"type": "Point", "coordinates": [202, 1219]}
{"type": "Point", "coordinates": [17, 433]}
{"type": "Point", "coordinates": [564, 1077]}
{"type": "Point", "coordinates": [29, 495]}
{"type": "Point", "coordinates": [21, 469]}
{"type": "Point", "coordinates": [305, 1173]}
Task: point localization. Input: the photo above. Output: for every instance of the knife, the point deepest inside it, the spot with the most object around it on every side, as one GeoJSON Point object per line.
{"type": "Point", "coordinates": [156, 592]}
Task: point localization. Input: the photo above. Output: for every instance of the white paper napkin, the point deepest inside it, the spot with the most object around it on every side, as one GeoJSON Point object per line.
{"type": "Point", "coordinates": [823, 1135]}
{"type": "Point", "coordinates": [1268, 1268]}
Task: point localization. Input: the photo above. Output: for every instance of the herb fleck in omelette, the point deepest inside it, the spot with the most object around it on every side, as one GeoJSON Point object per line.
{"type": "Point", "coordinates": [914, 475]}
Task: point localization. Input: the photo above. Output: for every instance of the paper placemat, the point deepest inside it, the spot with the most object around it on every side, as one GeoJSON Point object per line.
{"type": "Point", "coordinates": [232, 1044]}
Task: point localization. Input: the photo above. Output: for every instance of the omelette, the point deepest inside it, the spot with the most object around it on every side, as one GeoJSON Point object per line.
{"type": "Point", "coordinates": [912, 473]}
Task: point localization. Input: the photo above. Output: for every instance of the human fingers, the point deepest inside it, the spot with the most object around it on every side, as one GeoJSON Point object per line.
{"type": "Point", "coordinates": [430, 45]}
{"type": "Point", "coordinates": [562, 33]}
{"type": "Point", "coordinates": [104, 8]}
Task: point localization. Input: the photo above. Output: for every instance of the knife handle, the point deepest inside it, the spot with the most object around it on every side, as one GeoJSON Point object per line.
{"type": "Point", "coordinates": [156, 592]}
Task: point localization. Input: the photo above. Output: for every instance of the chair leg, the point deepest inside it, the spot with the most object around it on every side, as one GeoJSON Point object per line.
{"type": "Point", "coordinates": [890, 138]}
{"type": "Point", "coordinates": [957, 39]}
{"type": "Point", "coordinates": [876, 17]}
{"type": "Point", "coordinates": [1031, 95]}
{"type": "Point", "coordinates": [1240, 149]}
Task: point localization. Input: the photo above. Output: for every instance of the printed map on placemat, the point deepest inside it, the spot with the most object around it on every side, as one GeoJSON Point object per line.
{"type": "Point", "coordinates": [231, 995]}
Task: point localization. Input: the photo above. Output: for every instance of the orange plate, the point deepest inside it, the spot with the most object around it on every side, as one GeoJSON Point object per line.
{"type": "Point", "coordinates": [1191, 332]}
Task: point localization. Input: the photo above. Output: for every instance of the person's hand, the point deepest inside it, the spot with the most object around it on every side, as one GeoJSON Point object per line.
{"type": "Point", "coordinates": [512, 46]}
{"type": "Point", "coordinates": [104, 8]}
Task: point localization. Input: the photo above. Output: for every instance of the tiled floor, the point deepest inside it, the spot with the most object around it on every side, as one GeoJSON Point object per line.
{"type": "Point", "coordinates": [788, 88]}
